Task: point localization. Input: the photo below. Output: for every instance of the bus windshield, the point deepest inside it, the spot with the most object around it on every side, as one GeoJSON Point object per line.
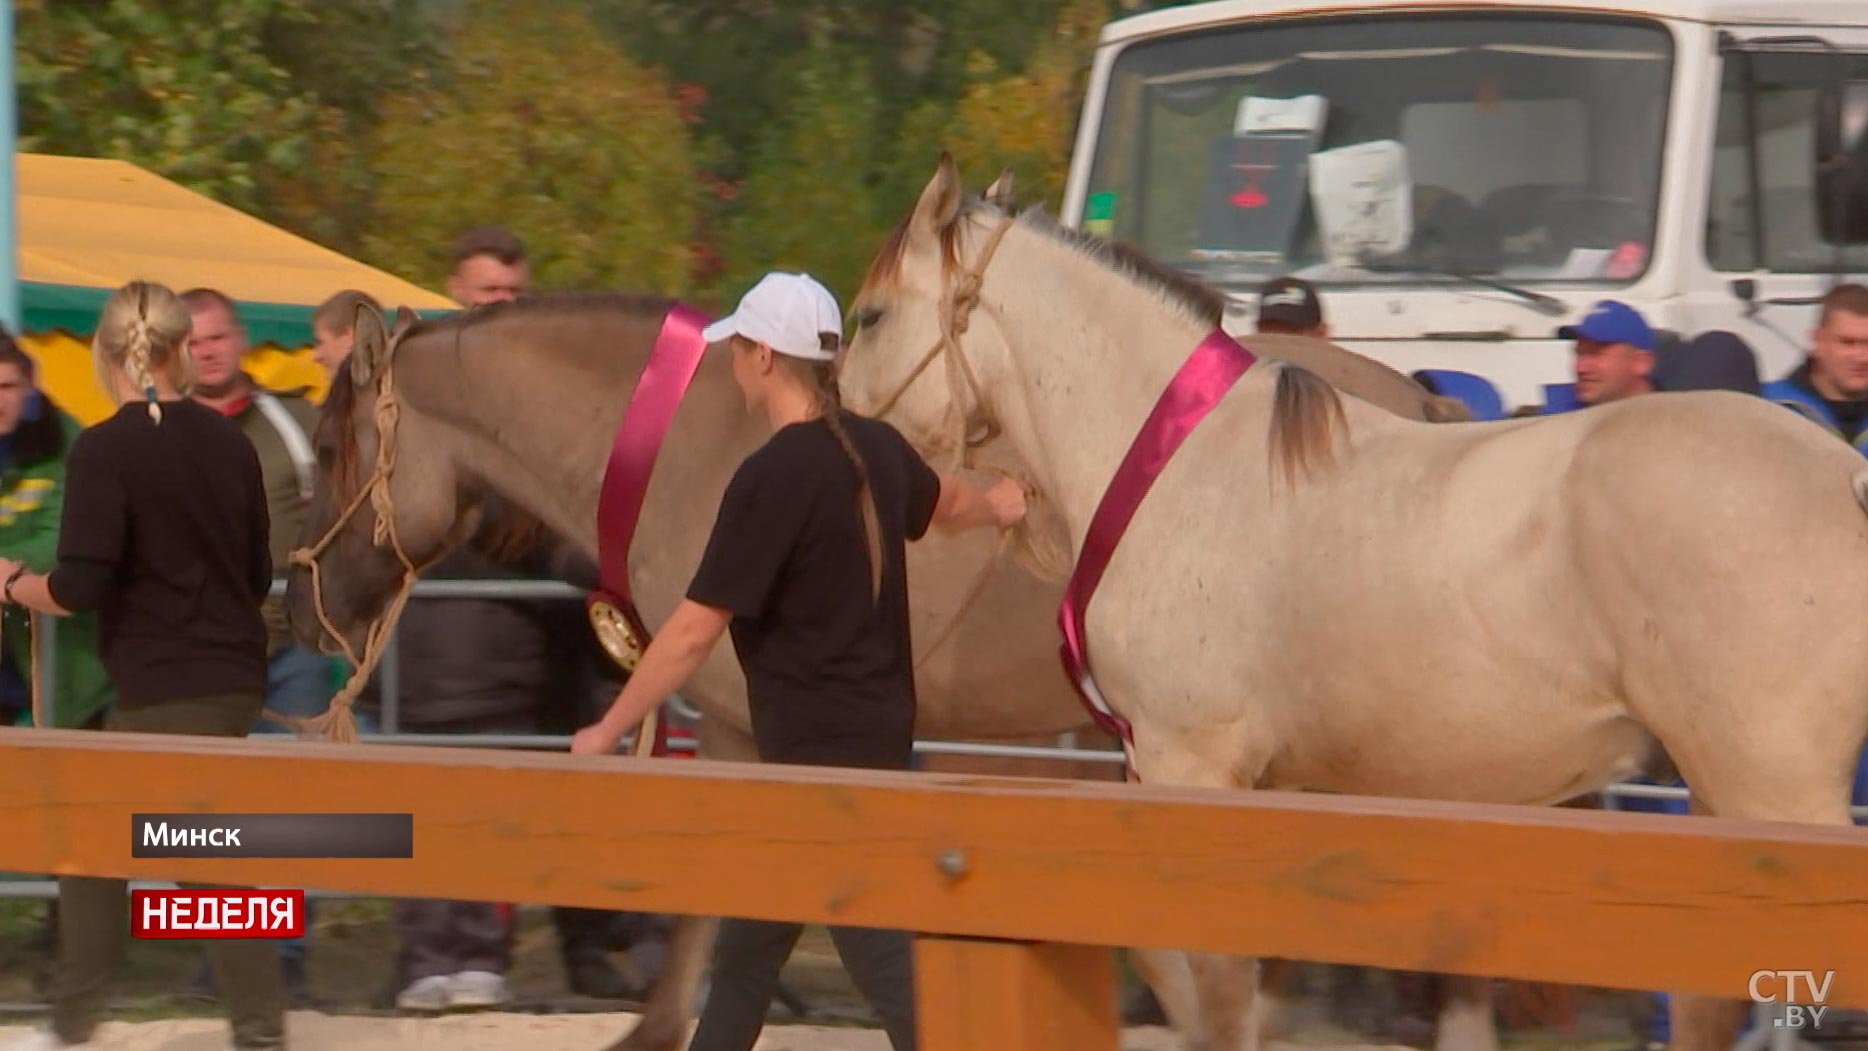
{"type": "Point", "coordinates": [1381, 149]}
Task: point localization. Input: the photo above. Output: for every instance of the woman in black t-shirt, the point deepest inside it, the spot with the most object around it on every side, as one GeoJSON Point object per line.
{"type": "Point", "coordinates": [164, 534]}
{"type": "Point", "coordinates": [806, 567]}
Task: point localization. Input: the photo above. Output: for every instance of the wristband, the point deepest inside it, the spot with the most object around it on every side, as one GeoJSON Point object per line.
{"type": "Point", "coordinates": [13, 578]}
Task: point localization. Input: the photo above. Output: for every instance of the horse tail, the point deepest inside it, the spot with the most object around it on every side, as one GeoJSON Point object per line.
{"type": "Point", "coordinates": [1860, 484]}
{"type": "Point", "coordinates": [1306, 414]}
{"type": "Point", "coordinates": [1438, 408]}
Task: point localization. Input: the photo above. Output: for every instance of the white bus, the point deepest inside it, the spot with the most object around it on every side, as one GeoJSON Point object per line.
{"type": "Point", "coordinates": [1460, 179]}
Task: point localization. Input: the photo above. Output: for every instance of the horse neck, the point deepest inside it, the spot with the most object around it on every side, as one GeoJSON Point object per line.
{"type": "Point", "coordinates": [524, 415]}
{"type": "Point", "coordinates": [1090, 350]}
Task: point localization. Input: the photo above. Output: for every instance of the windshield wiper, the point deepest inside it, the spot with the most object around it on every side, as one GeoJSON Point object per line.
{"type": "Point", "coordinates": [1543, 304]}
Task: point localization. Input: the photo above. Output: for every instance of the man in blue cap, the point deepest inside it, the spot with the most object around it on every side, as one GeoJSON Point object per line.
{"type": "Point", "coordinates": [1615, 360]}
{"type": "Point", "coordinates": [1614, 353]}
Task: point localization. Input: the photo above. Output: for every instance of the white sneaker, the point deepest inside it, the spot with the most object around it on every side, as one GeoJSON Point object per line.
{"type": "Point", "coordinates": [426, 994]}
{"type": "Point", "coordinates": [42, 1040]}
{"type": "Point", "coordinates": [478, 989]}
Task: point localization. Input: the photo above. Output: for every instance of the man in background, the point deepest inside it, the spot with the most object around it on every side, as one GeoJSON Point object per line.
{"type": "Point", "coordinates": [1615, 349]}
{"type": "Point", "coordinates": [279, 424]}
{"type": "Point", "coordinates": [1290, 306]}
{"type": "Point", "coordinates": [334, 328]}
{"type": "Point", "coordinates": [489, 267]}
{"type": "Point", "coordinates": [1831, 388]}
{"type": "Point", "coordinates": [486, 665]}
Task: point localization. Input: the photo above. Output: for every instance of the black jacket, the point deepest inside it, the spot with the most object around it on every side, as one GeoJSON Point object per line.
{"type": "Point", "coordinates": [523, 665]}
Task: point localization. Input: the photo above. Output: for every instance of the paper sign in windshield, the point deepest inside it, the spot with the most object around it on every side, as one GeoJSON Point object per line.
{"type": "Point", "coordinates": [1362, 199]}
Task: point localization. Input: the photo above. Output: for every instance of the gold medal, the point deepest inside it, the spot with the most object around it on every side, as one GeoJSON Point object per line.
{"type": "Point", "coordinates": [613, 631]}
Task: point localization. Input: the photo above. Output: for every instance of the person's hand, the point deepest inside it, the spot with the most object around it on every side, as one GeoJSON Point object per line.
{"type": "Point", "coordinates": [1007, 500]}
{"type": "Point", "coordinates": [595, 739]}
{"type": "Point", "coordinates": [7, 568]}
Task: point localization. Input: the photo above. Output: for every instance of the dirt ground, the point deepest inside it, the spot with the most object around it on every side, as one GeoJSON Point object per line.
{"type": "Point", "coordinates": [308, 1031]}
{"type": "Point", "coordinates": [353, 947]}
{"type": "Point", "coordinates": [500, 1031]}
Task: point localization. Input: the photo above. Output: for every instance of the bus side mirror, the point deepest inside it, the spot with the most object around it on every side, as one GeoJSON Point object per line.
{"type": "Point", "coordinates": [1842, 162]}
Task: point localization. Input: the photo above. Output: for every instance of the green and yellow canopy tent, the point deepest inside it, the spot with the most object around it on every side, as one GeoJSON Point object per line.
{"type": "Point", "coordinates": [87, 227]}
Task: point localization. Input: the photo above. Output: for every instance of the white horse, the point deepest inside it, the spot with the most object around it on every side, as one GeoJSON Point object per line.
{"type": "Point", "coordinates": [1316, 594]}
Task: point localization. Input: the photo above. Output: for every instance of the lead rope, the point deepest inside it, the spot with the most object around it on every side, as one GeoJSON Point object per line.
{"type": "Point", "coordinates": [339, 722]}
{"type": "Point", "coordinates": [972, 596]}
{"type": "Point", "coordinates": [35, 652]}
{"type": "Point", "coordinates": [954, 323]}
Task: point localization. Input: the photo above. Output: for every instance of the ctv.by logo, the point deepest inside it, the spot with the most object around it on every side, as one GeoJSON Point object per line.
{"type": "Point", "coordinates": [1798, 1012]}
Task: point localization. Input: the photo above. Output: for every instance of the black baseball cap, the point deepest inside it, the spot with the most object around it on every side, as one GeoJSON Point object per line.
{"type": "Point", "coordinates": [1290, 301]}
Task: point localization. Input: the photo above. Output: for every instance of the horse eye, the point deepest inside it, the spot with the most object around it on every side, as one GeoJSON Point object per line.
{"type": "Point", "coordinates": [868, 316]}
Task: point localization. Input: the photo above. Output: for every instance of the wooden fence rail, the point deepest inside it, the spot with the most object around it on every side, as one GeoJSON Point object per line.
{"type": "Point", "coordinates": [1020, 884]}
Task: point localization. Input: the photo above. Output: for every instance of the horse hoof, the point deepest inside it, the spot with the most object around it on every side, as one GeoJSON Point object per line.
{"type": "Point", "coordinates": [650, 1034]}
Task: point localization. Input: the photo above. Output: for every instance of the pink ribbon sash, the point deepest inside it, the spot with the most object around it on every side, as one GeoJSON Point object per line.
{"type": "Point", "coordinates": [1204, 378]}
{"type": "Point", "coordinates": [651, 411]}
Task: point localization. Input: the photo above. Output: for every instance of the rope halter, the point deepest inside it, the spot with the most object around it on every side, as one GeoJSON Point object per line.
{"type": "Point", "coordinates": [340, 723]}
{"type": "Point", "coordinates": [956, 316]}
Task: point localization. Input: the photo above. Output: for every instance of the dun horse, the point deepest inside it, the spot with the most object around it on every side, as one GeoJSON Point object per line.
{"type": "Point", "coordinates": [523, 400]}
{"type": "Point", "coordinates": [1518, 612]}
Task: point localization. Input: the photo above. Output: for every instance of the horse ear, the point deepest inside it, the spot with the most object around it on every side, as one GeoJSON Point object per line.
{"type": "Point", "coordinates": [940, 202]}
{"type": "Point", "coordinates": [370, 344]}
{"type": "Point", "coordinates": [405, 320]}
{"type": "Point", "coordinates": [1000, 192]}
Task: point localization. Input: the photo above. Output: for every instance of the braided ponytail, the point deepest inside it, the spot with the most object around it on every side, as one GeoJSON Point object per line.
{"type": "Point", "coordinates": [830, 406]}
{"type": "Point", "coordinates": [141, 332]}
{"type": "Point", "coordinates": [136, 352]}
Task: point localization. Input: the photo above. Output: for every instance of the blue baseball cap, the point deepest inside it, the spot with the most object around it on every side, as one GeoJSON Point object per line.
{"type": "Point", "coordinates": [1612, 322]}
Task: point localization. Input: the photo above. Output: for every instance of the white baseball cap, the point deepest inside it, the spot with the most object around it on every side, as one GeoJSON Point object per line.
{"type": "Point", "coordinates": [784, 312]}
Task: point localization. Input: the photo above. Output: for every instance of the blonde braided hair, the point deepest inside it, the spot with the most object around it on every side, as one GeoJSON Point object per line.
{"type": "Point", "coordinates": [143, 329]}
{"type": "Point", "coordinates": [136, 363]}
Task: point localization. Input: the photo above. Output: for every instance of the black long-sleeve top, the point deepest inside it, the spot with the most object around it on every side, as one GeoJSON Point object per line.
{"type": "Point", "coordinates": [164, 532]}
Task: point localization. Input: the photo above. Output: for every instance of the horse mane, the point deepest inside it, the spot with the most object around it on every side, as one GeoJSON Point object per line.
{"type": "Point", "coordinates": [334, 431]}
{"type": "Point", "coordinates": [340, 400]}
{"type": "Point", "coordinates": [1175, 287]}
{"type": "Point", "coordinates": [1307, 413]}
{"type": "Point", "coordinates": [534, 305]}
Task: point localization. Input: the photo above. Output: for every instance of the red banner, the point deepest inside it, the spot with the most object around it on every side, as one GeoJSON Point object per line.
{"type": "Point", "coordinates": [236, 913]}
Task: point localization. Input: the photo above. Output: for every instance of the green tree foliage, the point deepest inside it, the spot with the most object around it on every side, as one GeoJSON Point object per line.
{"type": "Point", "coordinates": [806, 205]}
{"type": "Point", "coordinates": [261, 104]}
{"type": "Point", "coordinates": [683, 145]}
{"type": "Point", "coordinates": [348, 54]}
{"type": "Point", "coordinates": [550, 130]}
{"type": "Point", "coordinates": [749, 54]}
{"type": "Point", "coordinates": [825, 116]}
{"type": "Point", "coordinates": [183, 88]}
{"type": "Point", "coordinates": [1028, 119]}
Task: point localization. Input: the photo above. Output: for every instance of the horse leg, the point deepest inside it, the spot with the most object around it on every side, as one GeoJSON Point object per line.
{"type": "Point", "coordinates": [1704, 1022]}
{"type": "Point", "coordinates": [1168, 973]}
{"type": "Point", "coordinates": [1277, 985]}
{"type": "Point", "coordinates": [1224, 987]}
{"type": "Point", "coordinates": [1227, 986]}
{"type": "Point", "coordinates": [668, 1015]}
{"type": "Point", "coordinates": [1466, 1022]}
{"type": "Point", "coordinates": [1801, 794]}
{"type": "Point", "coordinates": [669, 1012]}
